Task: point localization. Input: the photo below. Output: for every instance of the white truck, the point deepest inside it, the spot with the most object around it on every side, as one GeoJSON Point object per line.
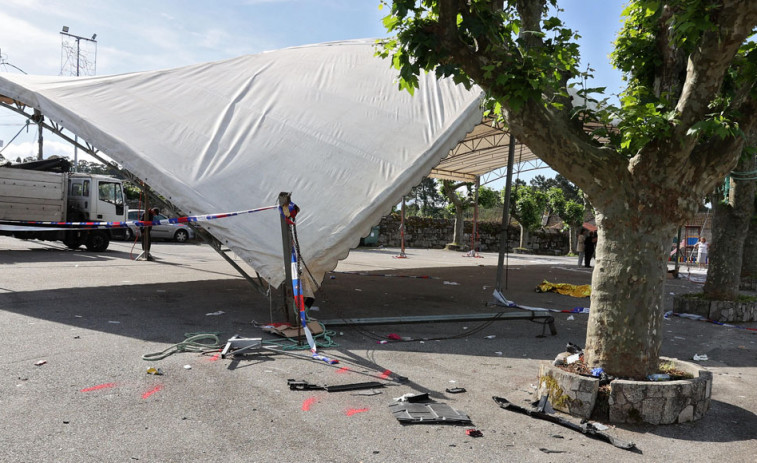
{"type": "Point", "coordinates": [35, 195]}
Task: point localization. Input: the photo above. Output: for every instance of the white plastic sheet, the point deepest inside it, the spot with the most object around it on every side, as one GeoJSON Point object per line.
{"type": "Point", "coordinates": [325, 122]}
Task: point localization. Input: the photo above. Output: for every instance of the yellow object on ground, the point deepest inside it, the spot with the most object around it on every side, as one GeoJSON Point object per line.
{"type": "Point", "coordinates": [565, 288]}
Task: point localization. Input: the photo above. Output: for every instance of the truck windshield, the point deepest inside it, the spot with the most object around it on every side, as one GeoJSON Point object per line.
{"type": "Point", "coordinates": [111, 192]}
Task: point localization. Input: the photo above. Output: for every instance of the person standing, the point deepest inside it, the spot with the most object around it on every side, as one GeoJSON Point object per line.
{"type": "Point", "coordinates": [702, 248]}
{"type": "Point", "coordinates": [580, 245]}
{"type": "Point", "coordinates": [590, 244]}
{"type": "Point", "coordinates": [148, 216]}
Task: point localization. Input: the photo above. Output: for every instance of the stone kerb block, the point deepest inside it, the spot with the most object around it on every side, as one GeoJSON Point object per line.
{"type": "Point", "coordinates": [664, 402]}
{"type": "Point", "coordinates": [568, 392]}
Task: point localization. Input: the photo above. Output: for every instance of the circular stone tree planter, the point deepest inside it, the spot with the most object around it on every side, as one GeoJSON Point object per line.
{"type": "Point", "coordinates": [654, 402]}
{"type": "Point", "coordinates": [721, 311]}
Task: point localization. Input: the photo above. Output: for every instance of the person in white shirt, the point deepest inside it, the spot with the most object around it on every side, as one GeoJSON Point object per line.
{"type": "Point", "coordinates": [702, 248]}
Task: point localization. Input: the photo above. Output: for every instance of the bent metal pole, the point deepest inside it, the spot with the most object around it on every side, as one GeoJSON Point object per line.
{"type": "Point", "coordinates": [505, 214]}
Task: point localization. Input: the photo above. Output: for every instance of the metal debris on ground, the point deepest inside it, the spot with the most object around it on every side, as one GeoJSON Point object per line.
{"type": "Point", "coordinates": [410, 397]}
{"type": "Point", "coordinates": [368, 393]}
{"type": "Point", "coordinates": [429, 413]}
{"type": "Point", "coordinates": [586, 428]}
{"type": "Point", "coordinates": [301, 385]}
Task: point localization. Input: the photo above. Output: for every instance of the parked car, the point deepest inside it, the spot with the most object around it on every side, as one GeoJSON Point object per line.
{"type": "Point", "coordinates": [179, 232]}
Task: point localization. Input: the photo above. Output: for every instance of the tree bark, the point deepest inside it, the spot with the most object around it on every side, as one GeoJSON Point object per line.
{"type": "Point", "coordinates": [624, 334]}
{"type": "Point", "coordinates": [459, 225]}
{"type": "Point", "coordinates": [572, 238]}
{"type": "Point", "coordinates": [449, 190]}
{"type": "Point", "coordinates": [749, 256]}
{"type": "Point", "coordinates": [730, 225]}
{"type": "Point", "coordinates": [523, 236]}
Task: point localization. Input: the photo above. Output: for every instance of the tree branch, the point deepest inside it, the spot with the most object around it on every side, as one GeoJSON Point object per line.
{"type": "Point", "coordinates": [716, 157]}
{"type": "Point", "coordinates": [707, 65]}
{"type": "Point", "coordinates": [669, 75]}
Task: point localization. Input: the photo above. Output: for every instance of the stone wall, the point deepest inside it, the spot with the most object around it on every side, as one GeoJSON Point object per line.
{"type": "Point", "coordinates": [436, 233]}
{"type": "Point", "coordinates": [720, 311]}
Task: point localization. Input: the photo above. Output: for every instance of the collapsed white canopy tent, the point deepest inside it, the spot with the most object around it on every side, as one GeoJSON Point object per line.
{"type": "Point", "coordinates": [325, 122]}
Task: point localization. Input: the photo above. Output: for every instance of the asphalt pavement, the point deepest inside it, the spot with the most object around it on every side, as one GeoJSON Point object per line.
{"type": "Point", "coordinates": [75, 386]}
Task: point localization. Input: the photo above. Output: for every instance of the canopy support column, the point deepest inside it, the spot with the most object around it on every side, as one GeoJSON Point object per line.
{"type": "Point", "coordinates": [286, 241]}
{"type": "Point", "coordinates": [505, 216]}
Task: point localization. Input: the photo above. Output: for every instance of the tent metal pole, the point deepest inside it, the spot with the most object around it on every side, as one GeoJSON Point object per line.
{"type": "Point", "coordinates": [505, 214]}
{"type": "Point", "coordinates": [286, 241]}
{"type": "Point", "coordinates": [546, 317]}
{"type": "Point", "coordinates": [473, 247]}
{"type": "Point", "coordinates": [40, 118]}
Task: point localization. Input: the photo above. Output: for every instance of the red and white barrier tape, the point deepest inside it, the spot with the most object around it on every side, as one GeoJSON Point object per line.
{"type": "Point", "coordinates": [27, 225]}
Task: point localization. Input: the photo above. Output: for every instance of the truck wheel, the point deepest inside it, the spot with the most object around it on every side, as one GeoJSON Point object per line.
{"type": "Point", "coordinates": [73, 239]}
{"type": "Point", "coordinates": [97, 241]}
{"type": "Point", "coordinates": [181, 236]}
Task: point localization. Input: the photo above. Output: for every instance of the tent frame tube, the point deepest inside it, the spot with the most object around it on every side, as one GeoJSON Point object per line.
{"type": "Point", "coordinates": [548, 319]}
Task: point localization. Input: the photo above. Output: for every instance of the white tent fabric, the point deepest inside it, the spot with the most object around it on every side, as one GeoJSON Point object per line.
{"type": "Point", "coordinates": [325, 122]}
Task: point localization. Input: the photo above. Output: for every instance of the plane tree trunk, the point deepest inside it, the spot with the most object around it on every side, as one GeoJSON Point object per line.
{"type": "Point", "coordinates": [449, 190]}
{"type": "Point", "coordinates": [523, 236]}
{"type": "Point", "coordinates": [572, 239]}
{"type": "Point", "coordinates": [459, 225]}
{"type": "Point", "coordinates": [730, 225]}
{"type": "Point", "coordinates": [749, 256]}
{"type": "Point", "coordinates": [624, 332]}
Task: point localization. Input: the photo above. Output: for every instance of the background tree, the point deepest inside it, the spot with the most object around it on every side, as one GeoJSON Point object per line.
{"type": "Point", "coordinates": [732, 211]}
{"type": "Point", "coordinates": [427, 201]}
{"type": "Point", "coordinates": [749, 256]}
{"type": "Point", "coordinates": [527, 206]}
{"type": "Point", "coordinates": [570, 191]}
{"type": "Point", "coordinates": [647, 164]}
{"type": "Point", "coordinates": [569, 211]}
{"type": "Point", "coordinates": [488, 198]}
{"type": "Point", "coordinates": [459, 202]}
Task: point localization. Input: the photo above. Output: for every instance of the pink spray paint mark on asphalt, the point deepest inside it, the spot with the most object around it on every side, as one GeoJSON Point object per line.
{"type": "Point", "coordinates": [353, 411]}
{"type": "Point", "coordinates": [307, 403]}
{"type": "Point", "coordinates": [214, 358]}
{"type": "Point", "coordinates": [343, 370]}
{"type": "Point", "coordinates": [386, 374]}
{"type": "Point", "coordinates": [152, 391]}
{"type": "Point", "coordinates": [98, 387]}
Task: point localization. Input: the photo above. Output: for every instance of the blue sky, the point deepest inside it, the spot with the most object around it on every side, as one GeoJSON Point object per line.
{"type": "Point", "coordinates": [138, 35]}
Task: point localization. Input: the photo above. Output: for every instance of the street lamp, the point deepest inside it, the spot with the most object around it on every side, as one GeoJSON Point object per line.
{"type": "Point", "coordinates": [68, 51]}
{"type": "Point", "coordinates": [67, 55]}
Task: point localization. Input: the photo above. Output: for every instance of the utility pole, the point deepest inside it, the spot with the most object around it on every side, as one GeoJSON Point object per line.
{"type": "Point", "coordinates": [75, 62]}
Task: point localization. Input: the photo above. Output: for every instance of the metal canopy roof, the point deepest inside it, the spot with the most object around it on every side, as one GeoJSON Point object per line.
{"type": "Point", "coordinates": [483, 151]}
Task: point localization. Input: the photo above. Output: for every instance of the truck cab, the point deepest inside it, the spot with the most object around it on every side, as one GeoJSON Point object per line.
{"type": "Point", "coordinates": [95, 198]}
